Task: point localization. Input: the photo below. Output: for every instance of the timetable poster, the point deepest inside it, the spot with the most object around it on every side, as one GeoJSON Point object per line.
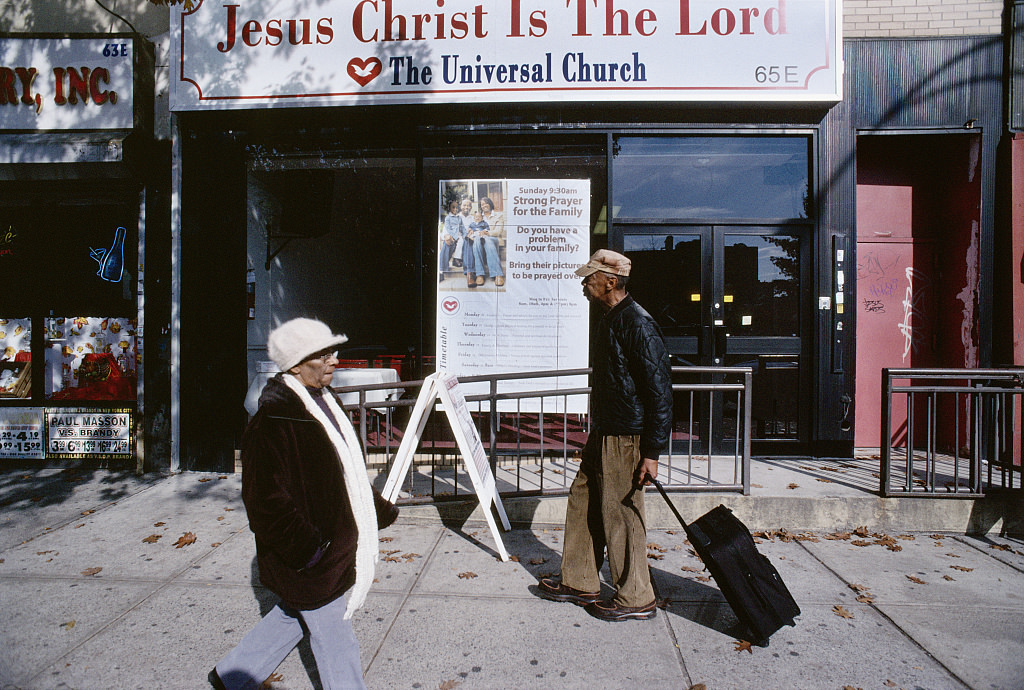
{"type": "Point", "coordinates": [508, 299]}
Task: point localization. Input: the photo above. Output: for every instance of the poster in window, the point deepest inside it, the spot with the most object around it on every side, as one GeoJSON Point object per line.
{"type": "Point", "coordinates": [508, 299]}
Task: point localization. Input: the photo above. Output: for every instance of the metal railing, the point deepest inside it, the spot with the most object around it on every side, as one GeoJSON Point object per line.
{"type": "Point", "coordinates": [534, 444]}
{"type": "Point", "coordinates": [950, 433]}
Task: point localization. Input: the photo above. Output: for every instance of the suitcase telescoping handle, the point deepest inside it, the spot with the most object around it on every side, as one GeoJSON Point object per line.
{"type": "Point", "coordinates": [693, 532]}
{"type": "Point", "coordinates": [664, 495]}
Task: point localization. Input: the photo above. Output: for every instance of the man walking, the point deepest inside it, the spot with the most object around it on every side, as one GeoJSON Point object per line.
{"type": "Point", "coordinates": [631, 415]}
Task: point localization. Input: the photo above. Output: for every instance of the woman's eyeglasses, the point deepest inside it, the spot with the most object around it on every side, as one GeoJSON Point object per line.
{"type": "Point", "coordinates": [323, 357]}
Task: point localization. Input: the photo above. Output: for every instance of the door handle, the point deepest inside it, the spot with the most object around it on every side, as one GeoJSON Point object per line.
{"type": "Point", "coordinates": [720, 343]}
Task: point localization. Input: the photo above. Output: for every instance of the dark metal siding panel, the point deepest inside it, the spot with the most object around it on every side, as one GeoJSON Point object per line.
{"type": "Point", "coordinates": [836, 185]}
{"type": "Point", "coordinates": [926, 83]}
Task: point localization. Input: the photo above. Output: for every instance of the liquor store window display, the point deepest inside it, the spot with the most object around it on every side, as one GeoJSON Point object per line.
{"type": "Point", "coordinates": [15, 358]}
{"type": "Point", "coordinates": [90, 358]}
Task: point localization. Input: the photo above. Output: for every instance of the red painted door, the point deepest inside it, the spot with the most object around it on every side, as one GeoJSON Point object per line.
{"type": "Point", "coordinates": [895, 325]}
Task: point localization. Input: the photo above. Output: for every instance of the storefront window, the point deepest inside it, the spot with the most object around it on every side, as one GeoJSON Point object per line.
{"type": "Point", "coordinates": [68, 309]}
{"type": "Point", "coordinates": [711, 177]}
{"type": "Point", "coordinates": [15, 358]}
{"type": "Point", "coordinates": [90, 358]}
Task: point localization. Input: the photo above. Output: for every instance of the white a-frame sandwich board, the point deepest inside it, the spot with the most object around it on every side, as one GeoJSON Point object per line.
{"type": "Point", "coordinates": [445, 387]}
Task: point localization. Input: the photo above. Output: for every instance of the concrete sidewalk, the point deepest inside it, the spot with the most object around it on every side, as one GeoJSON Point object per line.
{"type": "Point", "coordinates": [102, 588]}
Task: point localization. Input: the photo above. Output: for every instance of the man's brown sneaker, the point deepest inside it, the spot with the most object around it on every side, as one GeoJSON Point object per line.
{"type": "Point", "coordinates": [556, 591]}
{"type": "Point", "coordinates": [610, 611]}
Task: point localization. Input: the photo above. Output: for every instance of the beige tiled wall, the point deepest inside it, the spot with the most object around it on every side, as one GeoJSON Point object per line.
{"type": "Point", "coordinates": [909, 18]}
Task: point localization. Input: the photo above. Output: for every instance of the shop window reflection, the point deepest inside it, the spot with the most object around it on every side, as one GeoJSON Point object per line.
{"type": "Point", "coordinates": [762, 285]}
{"type": "Point", "coordinates": [15, 358]}
{"type": "Point", "coordinates": [666, 279]}
{"type": "Point", "coordinates": [712, 177]}
{"type": "Point", "coordinates": [90, 358]}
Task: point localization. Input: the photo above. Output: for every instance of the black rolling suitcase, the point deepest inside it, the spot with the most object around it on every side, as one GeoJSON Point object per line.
{"type": "Point", "coordinates": [749, 581]}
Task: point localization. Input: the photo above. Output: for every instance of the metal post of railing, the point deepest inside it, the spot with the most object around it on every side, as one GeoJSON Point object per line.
{"type": "Point", "coordinates": [885, 442]}
{"type": "Point", "coordinates": [493, 402]}
{"type": "Point", "coordinates": [748, 388]}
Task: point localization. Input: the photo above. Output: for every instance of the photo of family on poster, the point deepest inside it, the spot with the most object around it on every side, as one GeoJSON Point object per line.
{"type": "Point", "coordinates": [471, 235]}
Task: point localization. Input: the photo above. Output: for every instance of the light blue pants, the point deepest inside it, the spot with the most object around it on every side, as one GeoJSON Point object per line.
{"type": "Point", "coordinates": [261, 651]}
{"type": "Point", "coordinates": [490, 246]}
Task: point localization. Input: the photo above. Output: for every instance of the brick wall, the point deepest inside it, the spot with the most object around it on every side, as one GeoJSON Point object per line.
{"type": "Point", "coordinates": [882, 18]}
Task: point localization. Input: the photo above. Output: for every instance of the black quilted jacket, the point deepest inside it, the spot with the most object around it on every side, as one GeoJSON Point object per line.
{"type": "Point", "coordinates": [631, 384]}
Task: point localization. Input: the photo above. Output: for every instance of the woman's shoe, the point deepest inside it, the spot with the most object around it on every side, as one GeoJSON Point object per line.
{"type": "Point", "coordinates": [480, 280]}
{"type": "Point", "coordinates": [499, 281]}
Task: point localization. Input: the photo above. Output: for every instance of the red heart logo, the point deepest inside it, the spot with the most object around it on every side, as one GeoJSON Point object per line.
{"type": "Point", "coordinates": [364, 71]}
{"type": "Point", "coordinates": [450, 304]}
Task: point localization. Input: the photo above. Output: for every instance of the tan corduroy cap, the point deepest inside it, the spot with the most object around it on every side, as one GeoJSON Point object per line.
{"type": "Point", "coordinates": [605, 260]}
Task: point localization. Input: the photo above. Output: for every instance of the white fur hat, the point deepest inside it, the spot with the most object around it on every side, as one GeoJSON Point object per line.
{"type": "Point", "coordinates": [294, 340]}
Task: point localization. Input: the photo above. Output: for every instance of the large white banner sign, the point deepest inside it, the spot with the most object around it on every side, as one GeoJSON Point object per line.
{"type": "Point", "coordinates": [508, 299]}
{"type": "Point", "coordinates": [338, 52]}
{"type": "Point", "coordinates": [66, 83]}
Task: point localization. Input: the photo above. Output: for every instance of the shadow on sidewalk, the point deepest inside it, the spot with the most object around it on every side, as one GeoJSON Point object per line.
{"type": "Point", "coordinates": [678, 595]}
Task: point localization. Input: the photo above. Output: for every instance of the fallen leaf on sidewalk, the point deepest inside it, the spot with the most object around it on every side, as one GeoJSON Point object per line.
{"type": "Point", "coordinates": [916, 579]}
{"type": "Point", "coordinates": [159, 524]}
{"type": "Point", "coordinates": [1000, 547]}
{"type": "Point", "coordinates": [841, 611]}
{"type": "Point", "coordinates": [793, 486]}
{"type": "Point", "coordinates": [690, 569]}
{"type": "Point", "coordinates": [205, 479]}
{"type": "Point", "coordinates": [467, 575]}
{"type": "Point", "coordinates": [449, 685]}
{"type": "Point", "coordinates": [274, 678]}
{"type": "Point", "coordinates": [862, 531]}
{"type": "Point", "coordinates": [700, 686]}
{"type": "Point", "coordinates": [152, 539]}
{"type": "Point", "coordinates": [889, 684]}
{"type": "Point", "coordinates": [185, 540]}
{"type": "Point", "coordinates": [537, 561]}
{"type": "Point", "coordinates": [961, 568]}
{"type": "Point", "coordinates": [948, 578]}
{"type": "Point", "coordinates": [743, 646]}
{"type": "Point", "coordinates": [387, 539]}
{"type": "Point", "coordinates": [866, 598]}
{"type": "Point", "coordinates": [214, 544]}
{"type": "Point", "coordinates": [838, 536]}
{"type": "Point", "coordinates": [88, 512]}
{"type": "Point", "coordinates": [68, 626]}
{"type": "Point", "coordinates": [703, 578]}
{"type": "Point", "coordinates": [89, 572]}
{"type": "Point", "coordinates": [409, 556]}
